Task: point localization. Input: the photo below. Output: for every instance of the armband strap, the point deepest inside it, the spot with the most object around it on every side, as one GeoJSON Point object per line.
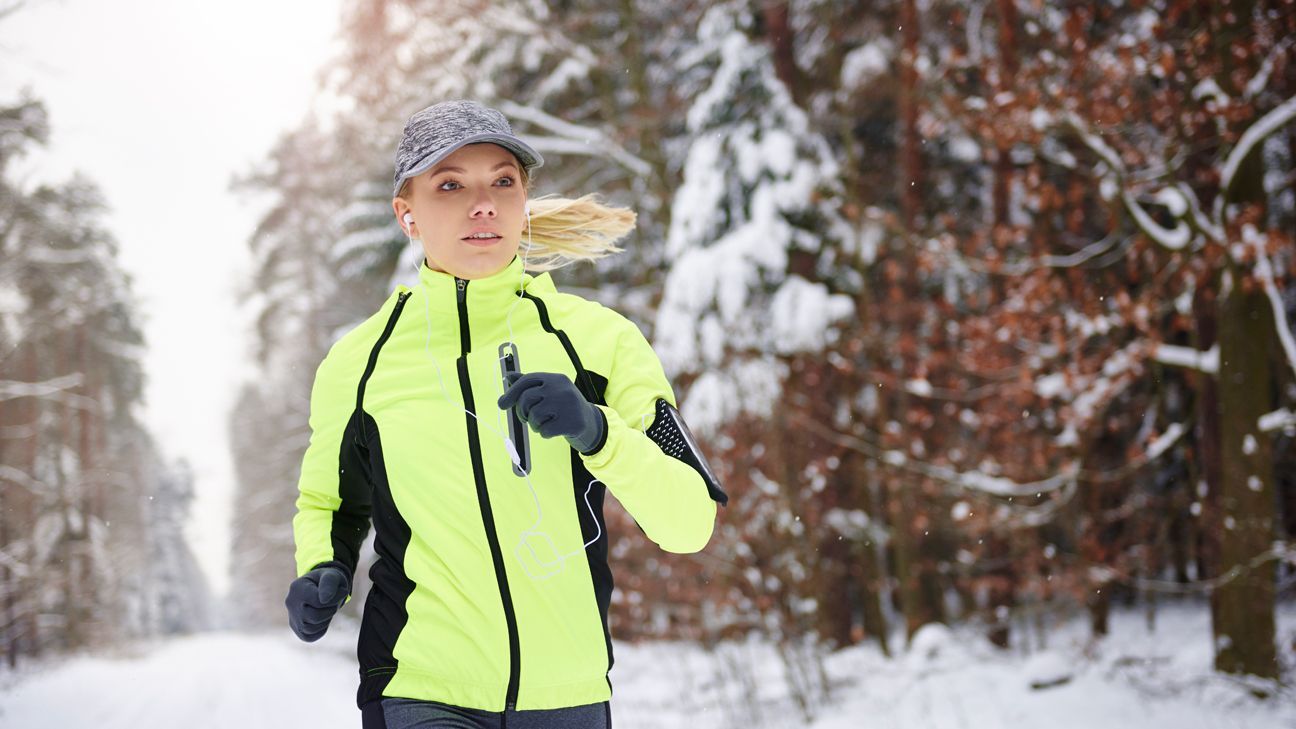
{"type": "Point", "coordinates": [672, 435]}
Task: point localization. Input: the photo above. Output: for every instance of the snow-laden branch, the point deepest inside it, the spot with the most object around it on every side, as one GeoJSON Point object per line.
{"type": "Point", "coordinates": [1163, 442]}
{"type": "Point", "coordinates": [60, 256]}
{"type": "Point", "coordinates": [1152, 452]}
{"type": "Point", "coordinates": [1255, 134]}
{"type": "Point", "coordinates": [1198, 218]}
{"type": "Point", "coordinates": [1207, 362]}
{"type": "Point", "coordinates": [1278, 552]}
{"type": "Point", "coordinates": [1108, 244]}
{"type": "Point", "coordinates": [1264, 272]}
{"type": "Point", "coordinates": [14, 389]}
{"type": "Point", "coordinates": [971, 480]}
{"type": "Point", "coordinates": [573, 138]}
{"type": "Point", "coordinates": [1260, 81]}
{"type": "Point", "coordinates": [1172, 239]}
{"type": "Point", "coordinates": [1277, 420]}
{"type": "Point", "coordinates": [1095, 143]}
{"type": "Point", "coordinates": [1179, 200]}
{"type": "Point", "coordinates": [16, 567]}
{"type": "Point", "coordinates": [19, 477]}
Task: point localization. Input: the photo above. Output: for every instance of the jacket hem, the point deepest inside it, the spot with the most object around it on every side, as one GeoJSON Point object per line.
{"type": "Point", "coordinates": [412, 683]}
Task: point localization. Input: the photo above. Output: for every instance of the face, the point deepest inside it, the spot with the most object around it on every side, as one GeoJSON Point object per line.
{"type": "Point", "coordinates": [477, 189]}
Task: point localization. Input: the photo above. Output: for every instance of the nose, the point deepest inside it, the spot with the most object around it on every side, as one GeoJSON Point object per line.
{"type": "Point", "coordinates": [484, 206]}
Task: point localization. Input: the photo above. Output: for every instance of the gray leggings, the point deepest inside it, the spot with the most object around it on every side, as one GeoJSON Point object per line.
{"type": "Point", "coordinates": [397, 713]}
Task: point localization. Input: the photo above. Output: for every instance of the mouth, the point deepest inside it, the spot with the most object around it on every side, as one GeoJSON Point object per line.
{"type": "Point", "coordinates": [482, 239]}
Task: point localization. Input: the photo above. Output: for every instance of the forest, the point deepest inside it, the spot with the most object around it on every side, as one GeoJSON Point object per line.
{"type": "Point", "coordinates": [982, 311]}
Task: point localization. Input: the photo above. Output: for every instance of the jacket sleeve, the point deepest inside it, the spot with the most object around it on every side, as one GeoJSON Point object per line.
{"type": "Point", "coordinates": [333, 500]}
{"type": "Point", "coordinates": [666, 496]}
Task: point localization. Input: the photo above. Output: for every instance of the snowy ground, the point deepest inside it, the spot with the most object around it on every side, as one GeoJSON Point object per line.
{"type": "Point", "coordinates": [947, 680]}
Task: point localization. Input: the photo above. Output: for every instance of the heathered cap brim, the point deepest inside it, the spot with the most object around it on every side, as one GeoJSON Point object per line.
{"type": "Point", "coordinates": [523, 151]}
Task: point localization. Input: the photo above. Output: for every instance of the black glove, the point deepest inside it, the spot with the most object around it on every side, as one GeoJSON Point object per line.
{"type": "Point", "coordinates": [550, 403]}
{"type": "Point", "coordinates": [314, 597]}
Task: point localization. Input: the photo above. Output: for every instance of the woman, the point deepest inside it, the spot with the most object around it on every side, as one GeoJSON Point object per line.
{"type": "Point", "coordinates": [491, 583]}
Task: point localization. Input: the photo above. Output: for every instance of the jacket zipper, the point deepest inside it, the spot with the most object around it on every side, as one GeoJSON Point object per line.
{"type": "Point", "coordinates": [483, 498]}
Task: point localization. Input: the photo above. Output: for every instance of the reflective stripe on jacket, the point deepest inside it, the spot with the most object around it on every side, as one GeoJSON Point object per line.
{"type": "Point", "coordinates": [463, 609]}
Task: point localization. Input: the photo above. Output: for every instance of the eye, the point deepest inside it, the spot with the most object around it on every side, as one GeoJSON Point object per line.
{"type": "Point", "coordinates": [447, 182]}
{"type": "Point", "coordinates": [508, 178]}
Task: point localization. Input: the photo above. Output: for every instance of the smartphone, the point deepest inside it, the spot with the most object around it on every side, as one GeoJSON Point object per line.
{"type": "Point", "coordinates": [518, 431]}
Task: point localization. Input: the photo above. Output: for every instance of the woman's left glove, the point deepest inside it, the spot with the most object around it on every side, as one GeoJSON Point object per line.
{"type": "Point", "coordinates": [550, 403]}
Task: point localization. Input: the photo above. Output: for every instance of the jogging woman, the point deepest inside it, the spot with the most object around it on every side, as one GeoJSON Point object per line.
{"type": "Point", "coordinates": [476, 420]}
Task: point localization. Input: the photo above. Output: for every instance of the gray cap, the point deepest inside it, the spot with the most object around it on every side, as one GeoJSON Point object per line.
{"type": "Point", "coordinates": [434, 133]}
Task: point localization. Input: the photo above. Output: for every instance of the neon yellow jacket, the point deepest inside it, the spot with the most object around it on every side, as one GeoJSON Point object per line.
{"type": "Point", "coordinates": [470, 604]}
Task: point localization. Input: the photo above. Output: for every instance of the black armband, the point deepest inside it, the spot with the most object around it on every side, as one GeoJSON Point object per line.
{"type": "Point", "coordinates": [672, 435]}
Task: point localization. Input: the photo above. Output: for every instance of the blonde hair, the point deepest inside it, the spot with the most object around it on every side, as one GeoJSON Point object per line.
{"type": "Point", "coordinates": [565, 230]}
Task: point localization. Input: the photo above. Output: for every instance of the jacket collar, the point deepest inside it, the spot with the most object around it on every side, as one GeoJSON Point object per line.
{"type": "Point", "coordinates": [493, 293]}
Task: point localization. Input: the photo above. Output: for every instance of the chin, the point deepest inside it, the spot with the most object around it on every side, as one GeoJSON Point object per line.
{"type": "Point", "coordinates": [485, 263]}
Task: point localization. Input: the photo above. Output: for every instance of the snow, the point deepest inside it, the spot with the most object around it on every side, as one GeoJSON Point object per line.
{"type": "Point", "coordinates": [1265, 272]}
{"type": "Point", "coordinates": [1173, 199]}
{"type": "Point", "coordinates": [204, 680]}
{"type": "Point", "coordinates": [948, 678]}
{"type": "Point", "coordinates": [1051, 385]}
{"type": "Point", "coordinates": [964, 149]}
{"type": "Point", "coordinates": [918, 386]}
{"type": "Point", "coordinates": [568, 71]}
{"type": "Point", "coordinates": [867, 62]}
{"type": "Point", "coordinates": [1209, 89]}
{"type": "Point", "coordinates": [802, 313]}
{"type": "Point", "coordinates": [1276, 420]}
{"type": "Point", "coordinates": [1172, 354]}
{"type": "Point", "coordinates": [1166, 439]}
{"type": "Point", "coordinates": [718, 396]}
{"type": "Point", "coordinates": [1169, 238]}
{"type": "Point", "coordinates": [1068, 436]}
{"type": "Point", "coordinates": [1263, 127]}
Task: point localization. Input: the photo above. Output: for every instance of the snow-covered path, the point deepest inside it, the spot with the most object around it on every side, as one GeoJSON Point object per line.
{"type": "Point", "coordinates": [201, 681]}
{"type": "Point", "coordinates": [948, 679]}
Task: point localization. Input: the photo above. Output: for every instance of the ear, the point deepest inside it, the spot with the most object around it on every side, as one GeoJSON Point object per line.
{"type": "Point", "coordinates": [401, 209]}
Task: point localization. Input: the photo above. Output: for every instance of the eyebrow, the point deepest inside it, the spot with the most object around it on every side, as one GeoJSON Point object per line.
{"type": "Point", "coordinates": [461, 170]}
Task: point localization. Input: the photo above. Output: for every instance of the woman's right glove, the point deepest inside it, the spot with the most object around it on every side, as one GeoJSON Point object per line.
{"type": "Point", "coordinates": [313, 598]}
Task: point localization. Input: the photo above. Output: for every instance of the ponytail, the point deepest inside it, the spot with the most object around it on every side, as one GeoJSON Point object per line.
{"type": "Point", "coordinates": [564, 231]}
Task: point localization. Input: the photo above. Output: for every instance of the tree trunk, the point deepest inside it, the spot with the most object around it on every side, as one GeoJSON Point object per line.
{"type": "Point", "coordinates": [1002, 579]}
{"type": "Point", "coordinates": [1003, 171]}
{"type": "Point", "coordinates": [779, 32]}
{"type": "Point", "coordinates": [872, 562]}
{"type": "Point", "coordinates": [1245, 616]}
{"type": "Point", "coordinates": [910, 181]}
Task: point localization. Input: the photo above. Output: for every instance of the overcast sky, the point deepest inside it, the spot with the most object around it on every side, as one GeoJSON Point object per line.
{"type": "Point", "coordinates": [160, 102]}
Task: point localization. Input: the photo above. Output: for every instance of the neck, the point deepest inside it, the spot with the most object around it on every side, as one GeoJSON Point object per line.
{"type": "Point", "coordinates": [445, 290]}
